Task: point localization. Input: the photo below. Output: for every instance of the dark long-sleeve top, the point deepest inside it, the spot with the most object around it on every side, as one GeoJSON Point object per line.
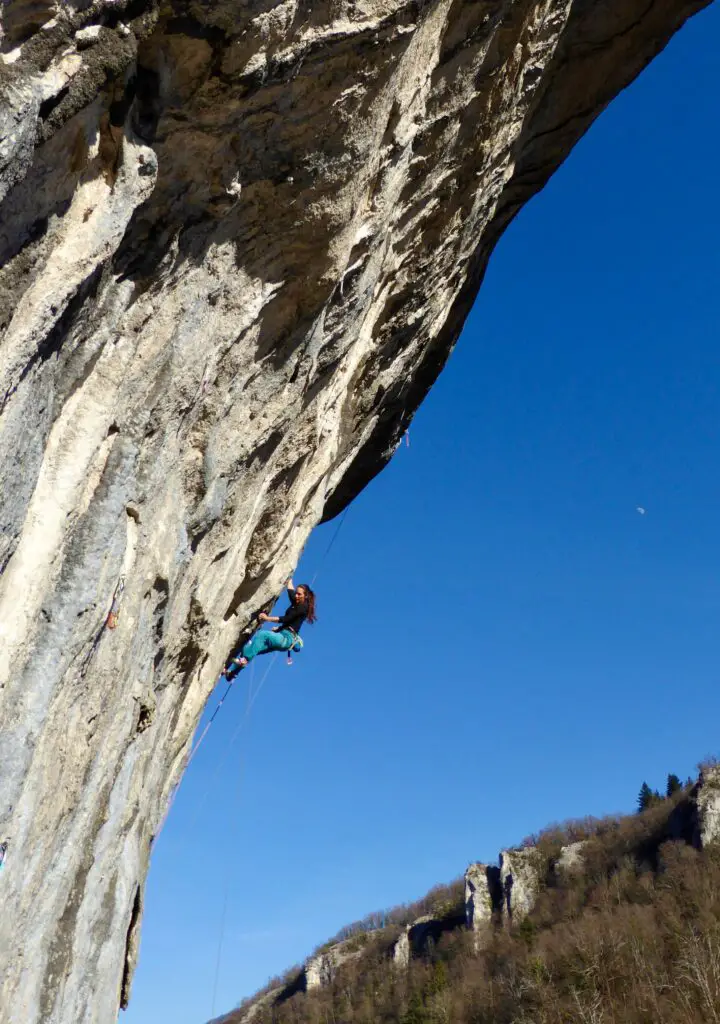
{"type": "Point", "coordinates": [295, 615]}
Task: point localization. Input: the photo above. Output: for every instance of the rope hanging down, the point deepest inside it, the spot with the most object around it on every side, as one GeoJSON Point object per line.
{"type": "Point", "coordinates": [230, 683]}
{"type": "Point", "coordinates": [201, 738]}
{"type": "Point", "coordinates": [252, 697]}
{"type": "Point", "coordinates": [230, 866]}
{"type": "Point", "coordinates": [204, 733]}
{"type": "Point", "coordinates": [329, 548]}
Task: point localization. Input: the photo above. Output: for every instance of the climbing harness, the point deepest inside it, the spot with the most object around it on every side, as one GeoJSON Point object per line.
{"type": "Point", "coordinates": [296, 647]}
{"type": "Point", "coordinates": [114, 613]}
{"type": "Point", "coordinates": [298, 644]}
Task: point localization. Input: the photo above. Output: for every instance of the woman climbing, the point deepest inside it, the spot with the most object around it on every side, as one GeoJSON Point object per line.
{"type": "Point", "coordinates": [286, 636]}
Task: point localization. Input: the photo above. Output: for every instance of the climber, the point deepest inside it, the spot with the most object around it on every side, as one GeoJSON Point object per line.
{"type": "Point", "coordinates": [285, 637]}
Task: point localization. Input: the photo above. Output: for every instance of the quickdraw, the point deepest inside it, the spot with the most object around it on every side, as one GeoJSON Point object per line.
{"type": "Point", "coordinates": [114, 613]}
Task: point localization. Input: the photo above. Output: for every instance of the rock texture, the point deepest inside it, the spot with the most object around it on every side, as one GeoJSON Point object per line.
{"type": "Point", "coordinates": [420, 938]}
{"type": "Point", "coordinates": [506, 892]}
{"type": "Point", "coordinates": [238, 240]}
{"type": "Point", "coordinates": [520, 880]}
{"type": "Point", "coordinates": [483, 896]}
{"type": "Point", "coordinates": [401, 950]}
{"type": "Point", "coordinates": [570, 859]}
{"type": "Point", "coordinates": [707, 802]}
{"type": "Point", "coordinates": [321, 969]}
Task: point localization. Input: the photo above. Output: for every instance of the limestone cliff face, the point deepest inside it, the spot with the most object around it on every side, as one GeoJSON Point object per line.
{"type": "Point", "coordinates": [507, 893]}
{"type": "Point", "coordinates": [707, 804]}
{"type": "Point", "coordinates": [238, 240]}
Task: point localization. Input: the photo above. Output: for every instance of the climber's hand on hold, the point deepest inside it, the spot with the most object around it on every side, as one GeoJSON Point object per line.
{"type": "Point", "coordinates": [263, 617]}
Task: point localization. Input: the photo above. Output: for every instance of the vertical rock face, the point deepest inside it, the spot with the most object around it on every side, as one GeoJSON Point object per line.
{"type": "Point", "coordinates": [483, 896]}
{"type": "Point", "coordinates": [237, 242]}
{"type": "Point", "coordinates": [320, 970]}
{"type": "Point", "coordinates": [707, 801]}
{"type": "Point", "coordinates": [401, 950]}
{"type": "Point", "coordinates": [520, 881]}
{"type": "Point", "coordinates": [507, 892]}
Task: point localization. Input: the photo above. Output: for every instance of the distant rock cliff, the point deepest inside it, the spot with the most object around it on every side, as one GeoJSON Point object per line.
{"type": "Point", "coordinates": [499, 897]}
{"type": "Point", "coordinates": [238, 240]}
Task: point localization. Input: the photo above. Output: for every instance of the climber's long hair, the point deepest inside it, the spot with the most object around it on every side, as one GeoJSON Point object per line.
{"type": "Point", "coordinates": [309, 601]}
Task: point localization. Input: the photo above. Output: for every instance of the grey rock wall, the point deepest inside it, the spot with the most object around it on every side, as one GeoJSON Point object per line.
{"type": "Point", "coordinates": [570, 859]}
{"type": "Point", "coordinates": [401, 950]}
{"type": "Point", "coordinates": [706, 800]}
{"type": "Point", "coordinates": [520, 880]}
{"type": "Point", "coordinates": [320, 970]}
{"type": "Point", "coordinates": [505, 892]}
{"type": "Point", "coordinates": [238, 241]}
{"type": "Point", "coordinates": [483, 896]}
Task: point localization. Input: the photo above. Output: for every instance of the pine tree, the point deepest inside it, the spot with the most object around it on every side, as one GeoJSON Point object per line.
{"type": "Point", "coordinates": [673, 785]}
{"type": "Point", "coordinates": [645, 797]}
{"type": "Point", "coordinates": [416, 1012]}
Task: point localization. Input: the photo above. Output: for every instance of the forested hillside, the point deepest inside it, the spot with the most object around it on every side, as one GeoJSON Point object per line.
{"type": "Point", "coordinates": [624, 928]}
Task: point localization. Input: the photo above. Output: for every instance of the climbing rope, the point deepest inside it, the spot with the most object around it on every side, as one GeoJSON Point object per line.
{"type": "Point", "coordinates": [230, 866]}
{"type": "Point", "coordinates": [230, 682]}
{"type": "Point", "coordinates": [201, 739]}
{"type": "Point", "coordinates": [329, 548]}
{"type": "Point", "coordinates": [252, 696]}
{"type": "Point", "coordinates": [218, 958]}
{"type": "Point", "coordinates": [204, 733]}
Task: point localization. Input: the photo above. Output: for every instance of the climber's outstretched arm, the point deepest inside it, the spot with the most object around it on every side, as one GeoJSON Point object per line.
{"type": "Point", "coordinates": [279, 618]}
{"type": "Point", "coordinates": [268, 618]}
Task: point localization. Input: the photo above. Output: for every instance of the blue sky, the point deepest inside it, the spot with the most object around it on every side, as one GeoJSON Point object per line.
{"type": "Point", "coordinates": [504, 641]}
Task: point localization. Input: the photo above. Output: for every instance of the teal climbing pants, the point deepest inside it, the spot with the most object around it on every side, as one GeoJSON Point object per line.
{"type": "Point", "coordinates": [266, 641]}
